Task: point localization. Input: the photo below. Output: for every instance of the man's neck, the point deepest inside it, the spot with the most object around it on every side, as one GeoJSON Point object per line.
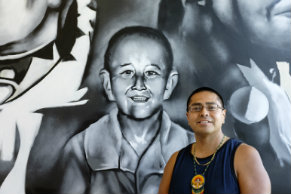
{"type": "Point", "coordinates": [206, 145]}
{"type": "Point", "coordinates": [140, 133]}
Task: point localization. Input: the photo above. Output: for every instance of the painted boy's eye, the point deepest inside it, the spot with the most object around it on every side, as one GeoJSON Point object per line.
{"type": "Point", "coordinates": [151, 73]}
{"type": "Point", "coordinates": [127, 73]}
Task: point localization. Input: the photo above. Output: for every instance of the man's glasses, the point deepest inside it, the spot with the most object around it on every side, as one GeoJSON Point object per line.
{"type": "Point", "coordinates": [199, 107]}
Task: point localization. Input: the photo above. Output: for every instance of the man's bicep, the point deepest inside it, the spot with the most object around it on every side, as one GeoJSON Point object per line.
{"type": "Point", "coordinates": [251, 173]}
{"type": "Point", "coordinates": [167, 176]}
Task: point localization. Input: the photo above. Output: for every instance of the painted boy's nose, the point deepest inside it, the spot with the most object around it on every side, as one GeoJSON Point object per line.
{"type": "Point", "coordinates": [139, 83]}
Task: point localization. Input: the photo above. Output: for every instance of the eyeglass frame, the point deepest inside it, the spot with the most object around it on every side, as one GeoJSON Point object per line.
{"type": "Point", "coordinates": [204, 106]}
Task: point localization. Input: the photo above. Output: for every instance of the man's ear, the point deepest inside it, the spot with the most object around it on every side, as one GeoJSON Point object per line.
{"type": "Point", "coordinates": [224, 115]}
{"type": "Point", "coordinates": [105, 78]}
{"type": "Point", "coordinates": [171, 84]}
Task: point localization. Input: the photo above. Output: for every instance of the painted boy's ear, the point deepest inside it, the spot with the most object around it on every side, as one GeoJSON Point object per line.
{"type": "Point", "coordinates": [171, 84]}
{"type": "Point", "coordinates": [105, 78]}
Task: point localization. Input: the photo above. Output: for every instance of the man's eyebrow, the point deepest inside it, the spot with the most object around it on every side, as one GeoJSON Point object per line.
{"type": "Point", "coordinates": [210, 103]}
{"type": "Point", "coordinates": [198, 103]}
{"type": "Point", "coordinates": [195, 103]}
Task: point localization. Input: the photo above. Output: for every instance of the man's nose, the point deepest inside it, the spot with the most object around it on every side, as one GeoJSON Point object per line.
{"type": "Point", "coordinates": [204, 111]}
{"type": "Point", "coordinates": [139, 83]}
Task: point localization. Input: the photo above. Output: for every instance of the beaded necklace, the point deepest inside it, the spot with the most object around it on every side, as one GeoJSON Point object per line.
{"type": "Point", "coordinates": [198, 181]}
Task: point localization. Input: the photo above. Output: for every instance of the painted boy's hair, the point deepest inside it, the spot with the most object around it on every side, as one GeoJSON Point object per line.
{"type": "Point", "coordinates": [142, 31]}
{"type": "Point", "coordinates": [201, 89]}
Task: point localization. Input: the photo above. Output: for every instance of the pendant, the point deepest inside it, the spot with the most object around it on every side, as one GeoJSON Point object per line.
{"type": "Point", "coordinates": [197, 184]}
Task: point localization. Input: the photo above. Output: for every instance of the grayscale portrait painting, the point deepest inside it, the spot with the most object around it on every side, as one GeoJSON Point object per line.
{"type": "Point", "coordinates": [93, 92]}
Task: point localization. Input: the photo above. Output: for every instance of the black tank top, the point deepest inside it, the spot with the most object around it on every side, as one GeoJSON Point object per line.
{"type": "Point", "coordinates": [219, 177]}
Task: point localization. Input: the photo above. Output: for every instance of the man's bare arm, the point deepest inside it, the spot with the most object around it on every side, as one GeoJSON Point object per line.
{"type": "Point", "coordinates": [167, 176]}
{"type": "Point", "coordinates": [251, 174]}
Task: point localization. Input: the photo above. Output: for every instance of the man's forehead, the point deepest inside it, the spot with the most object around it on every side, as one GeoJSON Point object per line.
{"type": "Point", "coordinates": [206, 97]}
{"type": "Point", "coordinates": [200, 103]}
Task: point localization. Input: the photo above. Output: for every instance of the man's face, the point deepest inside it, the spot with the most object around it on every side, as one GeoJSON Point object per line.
{"type": "Point", "coordinates": [266, 22]}
{"type": "Point", "coordinates": [205, 121]}
{"type": "Point", "coordinates": [138, 76]}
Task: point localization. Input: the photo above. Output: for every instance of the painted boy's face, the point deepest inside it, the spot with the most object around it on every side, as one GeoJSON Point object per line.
{"type": "Point", "coordinates": [267, 22]}
{"type": "Point", "coordinates": [138, 76]}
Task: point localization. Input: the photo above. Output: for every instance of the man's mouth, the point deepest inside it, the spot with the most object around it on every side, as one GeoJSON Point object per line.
{"type": "Point", "coordinates": [139, 99]}
{"type": "Point", "coordinates": [204, 122]}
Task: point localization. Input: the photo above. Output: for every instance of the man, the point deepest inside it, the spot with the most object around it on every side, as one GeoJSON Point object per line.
{"type": "Point", "coordinates": [218, 163]}
{"type": "Point", "coordinates": [268, 73]}
{"type": "Point", "coordinates": [126, 150]}
{"type": "Point", "coordinates": [252, 88]}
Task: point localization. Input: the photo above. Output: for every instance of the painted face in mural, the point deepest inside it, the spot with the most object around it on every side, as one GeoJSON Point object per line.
{"type": "Point", "coordinates": [27, 27]}
{"type": "Point", "coordinates": [265, 22]}
{"type": "Point", "coordinates": [205, 121]}
{"type": "Point", "coordinates": [23, 25]}
{"type": "Point", "coordinates": [140, 78]}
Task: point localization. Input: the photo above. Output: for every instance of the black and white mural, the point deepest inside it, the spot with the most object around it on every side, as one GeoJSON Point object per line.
{"type": "Point", "coordinates": [93, 92]}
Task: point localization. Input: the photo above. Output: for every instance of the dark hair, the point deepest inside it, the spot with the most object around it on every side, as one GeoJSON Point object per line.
{"type": "Point", "coordinates": [204, 89]}
{"type": "Point", "coordinates": [141, 31]}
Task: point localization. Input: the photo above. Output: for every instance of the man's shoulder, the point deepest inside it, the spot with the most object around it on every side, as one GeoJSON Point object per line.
{"type": "Point", "coordinates": [244, 150]}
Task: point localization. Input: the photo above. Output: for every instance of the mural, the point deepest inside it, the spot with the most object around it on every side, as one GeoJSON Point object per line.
{"type": "Point", "coordinates": [65, 119]}
{"type": "Point", "coordinates": [44, 47]}
{"type": "Point", "coordinates": [131, 144]}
